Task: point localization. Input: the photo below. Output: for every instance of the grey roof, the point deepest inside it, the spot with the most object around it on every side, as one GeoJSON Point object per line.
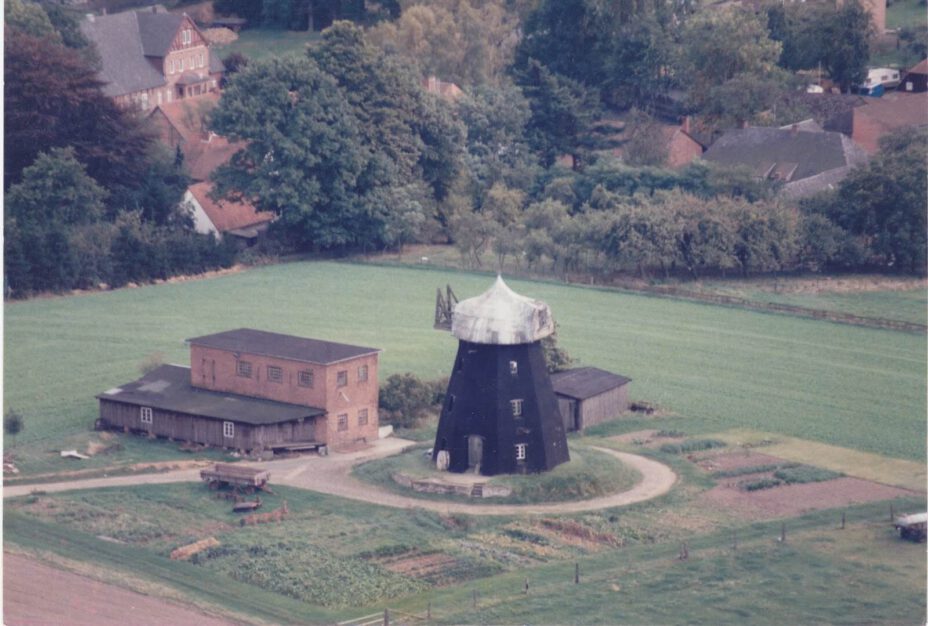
{"type": "Point", "coordinates": [763, 148]}
{"type": "Point", "coordinates": [581, 383]}
{"type": "Point", "coordinates": [500, 316]}
{"type": "Point", "coordinates": [168, 388]}
{"type": "Point", "coordinates": [125, 69]}
{"type": "Point", "coordinates": [215, 63]}
{"type": "Point", "coordinates": [157, 31]}
{"type": "Point", "coordinates": [260, 342]}
{"type": "Point", "coordinates": [132, 45]}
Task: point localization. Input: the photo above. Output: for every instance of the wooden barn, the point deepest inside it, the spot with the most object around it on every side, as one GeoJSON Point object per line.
{"type": "Point", "coordinates": [588, 395]}
{"type": "Point", "coordinates": [250, 389]}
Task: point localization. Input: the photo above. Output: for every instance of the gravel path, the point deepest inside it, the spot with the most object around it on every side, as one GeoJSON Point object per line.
{"type": "Point", "coordinates": [332, 475]}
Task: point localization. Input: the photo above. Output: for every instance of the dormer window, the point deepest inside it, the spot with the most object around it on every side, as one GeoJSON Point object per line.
{"type": "Point", "coordinates": [186, 37]}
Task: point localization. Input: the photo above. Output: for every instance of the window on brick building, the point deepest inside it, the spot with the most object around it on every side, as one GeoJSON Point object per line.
{"type": "Point", "coordinates": [228, 430]}
{"type": "Point", "coordinates": [145, 415]}
{"type": "Point", "coordinates": [362, 373]}
{"type": "Point", "coordinates": [520, 451]}
{"type": "Point", "coordinates": [514, 368]}
{"type": "Point", "coordinates": [305, 378]}
{"type": "Point", "coordinates": [362, 417]}
{"type": "Point", "coordinates": [243, 369]}
{"type": "Point", "coordinates": [343, 421]}
{"type": "Point", "coordinates": [275, 374]}
{"type": "Point", "coordinates": [516, 407]}
{"type": "Point", "coordinates": [341, 379]}
{"type": "Point", "coordinates": [185, 36]}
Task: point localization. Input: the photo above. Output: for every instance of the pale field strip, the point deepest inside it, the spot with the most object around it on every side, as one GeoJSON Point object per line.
{"type": "Point", "coordinates": [866, 465]}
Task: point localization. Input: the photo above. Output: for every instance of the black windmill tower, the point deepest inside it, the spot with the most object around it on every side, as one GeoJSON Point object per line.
{"type": "Point", "coordinates": [500, 415]}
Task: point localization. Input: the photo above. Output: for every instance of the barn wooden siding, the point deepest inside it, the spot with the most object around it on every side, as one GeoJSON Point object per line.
{"type": "Point", "coordinates": [592, 411]}
{"type": "Point", "coordinates": [186, 427]}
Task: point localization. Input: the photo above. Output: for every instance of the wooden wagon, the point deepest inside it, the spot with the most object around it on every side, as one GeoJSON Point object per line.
{"type": "Point", "coordinates": [912, 527]}
{"type": "Point", "coordinates": [248, 479]}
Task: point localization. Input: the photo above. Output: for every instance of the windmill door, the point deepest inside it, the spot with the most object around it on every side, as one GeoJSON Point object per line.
{"type": "Point", "coordinates": [474, 451]}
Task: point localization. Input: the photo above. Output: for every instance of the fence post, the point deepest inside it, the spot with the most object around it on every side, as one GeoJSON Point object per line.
{"type": "Point", "coordinates": [526, 586]}
{"type": "Point", "coordinates": [783, 533]}
{"type": "Point", "coordinates": [576, 573]}
{"type": "Point", "coordinates": [428, 611]}
{"type": "Point", "coordinates": [684, 553]}
{"type": "Point", "coordinates": [475, 598]}
{"type": "Point", "coordinates": [892, 514]}
{"type": "Point", "coordinates": [386, 617]}
{"type": "Point", "coordinates": [843, 520]}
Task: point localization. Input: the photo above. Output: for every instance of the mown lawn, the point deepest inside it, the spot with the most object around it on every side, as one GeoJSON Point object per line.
{"type": "Point", "coordinates": [906, 14]}
{"type": "Point", "coordinates": [262, 43]}
{"type": "Point", "coordinates": [717, 368]}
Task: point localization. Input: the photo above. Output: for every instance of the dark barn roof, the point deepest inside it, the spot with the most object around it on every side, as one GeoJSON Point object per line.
{"type": "Point", "coordinates": [760, 148]}
{"type": "Point", "coordinates": [585, 382]}
{"type": "Point", "coordinates": [168, 388]}
{"type": "Point", "coordinates": [124, 66]}
{"type": "Point", "coordinates": [263, 343]}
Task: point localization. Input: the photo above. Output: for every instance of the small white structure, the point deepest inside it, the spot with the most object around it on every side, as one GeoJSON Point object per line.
{"type": "Point", "coordinates": [885, 76]}
{"type": "Point", "coordinates": [222, 217]}
{"type": "Point", "coordinates": [500, 316]}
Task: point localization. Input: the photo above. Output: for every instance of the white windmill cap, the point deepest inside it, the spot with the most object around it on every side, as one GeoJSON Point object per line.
{"type": "Point", "coordinates": [500, 316]}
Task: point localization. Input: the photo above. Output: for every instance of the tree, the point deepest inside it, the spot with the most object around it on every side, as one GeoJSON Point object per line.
{"type": "Point", "coordinates": [12, 423]}
{"type": "Point", "coordinates": [304, 157]}
{"type": "Point", "coordinates": [718, 46]}
{"type": "Point", "coordinates": [53, 99]}
{"type": "Point", "coordinates": [846, 40]}
{"type": "Point", "coordinates": [411, 134]}
{"type": "Point", "coordinates": [562, 113]}
{"type": "Point", "coordinates": [29, 18]}
{"type": "Point", "coordinates": [405, 399]}
{"type": "Point", "coordinates": [646, 144]}
{"type": "Point", "coordinates": [469, 42]}
{"type": "Point", "coordinates": [55, 190]}
{"type": "Point", "coordinates": [635, 65]}
{"type": "Point", "coordinates": [884, 202]}
{"type": "Point", "coordinates": [497, 150]}
{"type": "Point", "coordinates": [557, 358]}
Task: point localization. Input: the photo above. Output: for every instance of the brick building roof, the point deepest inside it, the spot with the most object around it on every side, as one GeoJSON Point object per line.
{"type": "Point", "coordinates": [263, 343]}
{"type": "Point", "coordinates": [168, 388]}
{"type": "Point", "coordinates": [227, 215]}
{"type": "Point", "coordinates": [203, 151]}
{"type": "Point", "coordinates": [883, 115]}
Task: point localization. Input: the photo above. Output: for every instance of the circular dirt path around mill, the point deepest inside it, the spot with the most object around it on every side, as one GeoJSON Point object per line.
{"type": "Point", "coordinates": [332, 475]}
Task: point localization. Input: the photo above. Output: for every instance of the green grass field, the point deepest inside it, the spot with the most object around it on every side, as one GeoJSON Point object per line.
{"type": "Point", "coordinates": [907, 14]}
{"type": "Point", "coordinates": [717, 368]}
{"type": "Point", "coordinates": [262, 43]}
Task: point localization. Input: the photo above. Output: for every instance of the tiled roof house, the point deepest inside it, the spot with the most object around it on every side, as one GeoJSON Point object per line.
{"type": "Point", "coordinates": [152, 57]}
{"type": "Point", "coordinates": [225, 217]}
{"type": "Point", "coordinates": [806, 162]}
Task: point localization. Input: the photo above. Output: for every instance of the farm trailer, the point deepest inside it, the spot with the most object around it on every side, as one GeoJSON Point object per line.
{"type": "Point", "coordinates": [239, 477]}
{"type": "Point", "coordinates": [912, 527]}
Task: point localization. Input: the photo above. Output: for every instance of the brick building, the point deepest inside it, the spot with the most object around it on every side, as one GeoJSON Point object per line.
{"type": "Point", "coordinates": [251, 389]}
{"type": "Point", "coordinates": [152, 57]}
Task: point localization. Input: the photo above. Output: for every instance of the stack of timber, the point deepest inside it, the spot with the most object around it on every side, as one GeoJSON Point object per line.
{"type": "Point", "coordinates": [185, 552]}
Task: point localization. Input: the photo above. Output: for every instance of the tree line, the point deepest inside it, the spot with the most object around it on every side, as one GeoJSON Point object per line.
{"type": "Point", "coordinates": [90, 196]}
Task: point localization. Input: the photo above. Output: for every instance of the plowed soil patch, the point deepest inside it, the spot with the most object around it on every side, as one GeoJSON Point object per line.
{"type": "Point", "coordinates": [736, 460]}
{"type": "Point", "coordinates": [34, 593]}
{"type": "Point", "coordinates": [791, 500]}
{"type": "Point", "coordinates": [420, 565]}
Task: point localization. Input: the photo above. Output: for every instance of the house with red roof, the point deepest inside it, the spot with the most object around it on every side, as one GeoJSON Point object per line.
{"type": "Point", "coordinates": [225, 217]}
